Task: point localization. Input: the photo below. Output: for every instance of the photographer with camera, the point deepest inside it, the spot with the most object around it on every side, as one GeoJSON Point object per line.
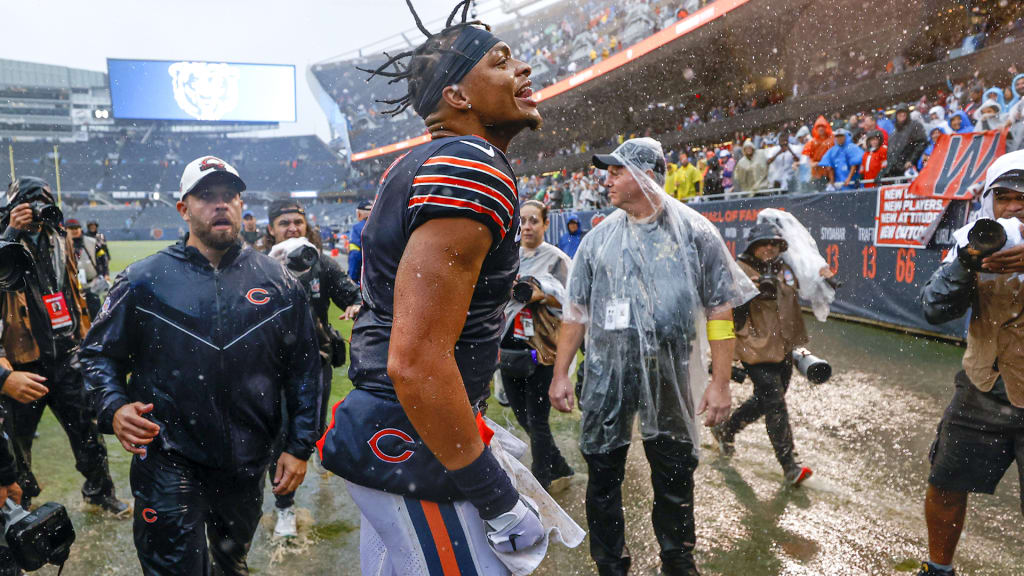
{"type": "Point", "coordinates": [325, 282]}
{"type": "Point", "coordinates": [219, 341]}
{"type": "Point", "coordinates": [93, 271]}
{"type": "Point", "coordinates": [980, 434]}
{"type": "Point", "coordinates": [532, 320]}
{"type": "Point", "coordinates": [768, 328]}
{"type": "Point", "coordinates": [43, 322]}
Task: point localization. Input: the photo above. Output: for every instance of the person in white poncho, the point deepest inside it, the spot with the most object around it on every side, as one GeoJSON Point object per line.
{"type": "Point", "coordinates": [650, 286]}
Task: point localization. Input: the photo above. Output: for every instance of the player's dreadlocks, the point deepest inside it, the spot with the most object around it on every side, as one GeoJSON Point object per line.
{"type": "Point", "coordinates": [419, 66]}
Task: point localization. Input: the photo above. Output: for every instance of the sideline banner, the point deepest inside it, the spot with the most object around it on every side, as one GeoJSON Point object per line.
{"type": "Point", "coordinates": [958, 162]}
{"type": "Point", "coordinates": [880, 284]}
{"type": "Point", "coordinates": [903, 220]}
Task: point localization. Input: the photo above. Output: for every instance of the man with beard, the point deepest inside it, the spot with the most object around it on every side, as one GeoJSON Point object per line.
{"type": "Point", "coordinates": [440, 256]}
{"type": "Point", "coordinates": [215, 337]}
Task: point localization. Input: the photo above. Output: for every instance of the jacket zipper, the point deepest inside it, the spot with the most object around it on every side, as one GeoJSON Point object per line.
{"type": "Point", "coordinates": [223, 392]}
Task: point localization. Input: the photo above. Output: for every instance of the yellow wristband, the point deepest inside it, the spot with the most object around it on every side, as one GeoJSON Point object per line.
{"type": "Point", "coordinates": [720, 330]}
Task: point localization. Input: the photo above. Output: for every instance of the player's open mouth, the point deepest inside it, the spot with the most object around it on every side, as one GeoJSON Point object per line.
{"type": "Point", "coordinates": [525, 94]}
{"type": "Point", "coordinates": [222, 223]}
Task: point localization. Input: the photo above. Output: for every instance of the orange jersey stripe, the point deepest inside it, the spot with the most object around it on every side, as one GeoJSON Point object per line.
{"type": "Point", "coordinates": [466, 163]}
{"type": "Point", "coordinates": [468, 184]}
{"type": "Point", "coordinates": [441, 539]}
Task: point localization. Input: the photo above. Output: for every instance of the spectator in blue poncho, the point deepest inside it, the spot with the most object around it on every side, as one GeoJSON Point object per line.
{"type": "Point", "coordinates": [570, 241]}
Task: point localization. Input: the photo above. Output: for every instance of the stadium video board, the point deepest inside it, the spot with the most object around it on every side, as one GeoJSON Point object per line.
{"type": "Point", "coordinates": [201, 91]}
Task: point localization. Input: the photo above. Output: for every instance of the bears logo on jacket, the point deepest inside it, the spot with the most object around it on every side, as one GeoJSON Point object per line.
{"type": "Point", "coordinates": [258, 296]}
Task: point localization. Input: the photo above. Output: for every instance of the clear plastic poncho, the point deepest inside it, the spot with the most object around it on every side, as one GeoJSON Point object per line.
{"type": "Point", "coordinates": [644, 288]}
{"type": "Point", "coordinates": [803, 258]}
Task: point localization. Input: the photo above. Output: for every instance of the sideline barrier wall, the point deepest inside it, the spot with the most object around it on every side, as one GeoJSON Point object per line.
{"type": "Point", "coordinates": [881, 285]}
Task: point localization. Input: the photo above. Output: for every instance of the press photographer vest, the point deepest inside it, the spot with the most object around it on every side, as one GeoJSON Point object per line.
{"type": "Point", "coordinates": [773, 327]}
{"type": "Point", "coordinates": [996, 334]}
{"type": "Point", "coordinates": [18, 341]}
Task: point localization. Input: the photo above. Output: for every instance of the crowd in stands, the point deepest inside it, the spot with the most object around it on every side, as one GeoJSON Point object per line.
{"type": "Point", "coordinates": [557, 43]}
{"type": "Point", "coordinates": [129, 163]}
{"type": "Point", "coordinates": [831, 155]}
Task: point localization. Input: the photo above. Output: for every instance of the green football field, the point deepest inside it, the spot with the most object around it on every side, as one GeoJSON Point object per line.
{"type": "Point", "coordinates": [124, 253]}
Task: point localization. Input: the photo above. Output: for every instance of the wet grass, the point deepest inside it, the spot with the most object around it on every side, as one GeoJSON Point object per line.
{"type": "Point", "coordinates": [866, 433]}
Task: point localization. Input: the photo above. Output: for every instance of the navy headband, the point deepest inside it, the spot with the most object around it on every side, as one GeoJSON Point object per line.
{"type": "Point", "coordinates": [470, 47]}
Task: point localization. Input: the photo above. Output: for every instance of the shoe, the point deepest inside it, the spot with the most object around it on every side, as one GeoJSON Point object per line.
{"type": "Point", "coordinates": [797, 474]}
{"type": "Point", "coordinates": [111, 505]}
{"type": "Point", "coordinates": [285, 527]}
{"type": "Point", "coordinates": [561, 477]}
{"type": "Point", "coordinates": [501, 397]}
{"type": "Point", "coordinates": [725, 446]}
{"type": "Point", "coordinates": [929, 569]}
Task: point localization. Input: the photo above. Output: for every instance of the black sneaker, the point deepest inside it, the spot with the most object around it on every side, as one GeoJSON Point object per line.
{"type": "Point", "coordinates": [725, 445]}
{"type": "Point", "coordinates": [561, 476]}
{"type": "Point", "coordinates": [929, 569]}
{"type": "Point", "coordinates": [111, 505]}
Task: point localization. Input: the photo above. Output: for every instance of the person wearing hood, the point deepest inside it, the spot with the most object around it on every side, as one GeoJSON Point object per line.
{"type": "Point", "coordinates": [979, 436]}
{"type": "Point", "coordinates": [906, 143]}
{"type": "Point", "coordinates": [713, 181]}
{"type": "Point", "coordinates": [995, 93]}
{"type": "Point", "coordinates": [874, 158]}
{"type": "Point", "coordinates": [1017, 88]}
{"type": "Point", "coordinates": [570, 241]}
{"type": "Point", "coordinates": [936, 115]}
{"type": "Point", "coordinates": [728, 164]}
{"type": "Point", "coordinates": [989, 116]}
{"type": "Point", "coordinates": [781, 158]}
{"type": "Point", "coordinates": [842, 161]}
{"type": "Point", "coordinates": [934, 131]}
{"type": "Point", "coordinates": [751, 171]}
{"type": "Point", "coordinates": [960, 123]}
{"type": "Point", "coordinates": [768, 328]}
{"type": "Point", "coordinates": [652, 290]}
{"type": "Point", "coordinates": [821, 140]}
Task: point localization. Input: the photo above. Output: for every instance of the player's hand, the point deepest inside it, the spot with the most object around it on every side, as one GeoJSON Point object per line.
{"type": "Point", "coordinates": [538, 295]}
{"type": "Point", "coordinates": [1009, 261]}
{"type": "Point", "coordinates": [716, 403]}
{"type": "Point", "coordinates": [21, 217]}
{"type": "Point", "coordinates": [350, 312]}
{"type": "Point", "coordinates": [561, 392]}
{"type": "Point", "coordinates": [25, 387]}
{"type": "Point", "coordinates": [132, 430]}
{"type": "Point", "coordinates": [517, 529]}
{"type": "Point", "coordinates": [291, 471]}
{"type": "Point", "coordinates": [826, 272]}
{"type": "Point", "coordinates": [12, 491]}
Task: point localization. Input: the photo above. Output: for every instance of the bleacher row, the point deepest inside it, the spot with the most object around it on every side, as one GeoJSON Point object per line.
{"type": "Point", "coordinates": [138, 222]}
{"type": "Point", "coordinates": [110, 164]}
{"type": "Point", "coordinates": [557, 42]}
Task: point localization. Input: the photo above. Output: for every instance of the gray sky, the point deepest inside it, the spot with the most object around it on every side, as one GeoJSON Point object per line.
{"type": "Point", "coordinates": [300, 32]}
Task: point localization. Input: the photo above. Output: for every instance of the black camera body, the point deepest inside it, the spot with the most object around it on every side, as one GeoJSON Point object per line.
{"type": "Point", "coordinates": [15, 262]}
{"type": "Point", "coordinates": [985, 239]}
{"type": "Point", "coordinates": [40, 537]}
{"type": "Point", "coordinates": [302, 259]}
{"type": "Point", "coordinates": [46, 213]}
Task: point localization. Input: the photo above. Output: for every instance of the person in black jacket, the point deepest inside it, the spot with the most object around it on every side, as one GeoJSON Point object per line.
{"type": "Point", "coordinates": [287, 219]}
{"type": "Point", "coordinates": [906, 143]}
{"type": "Point", "coordinates": [214, 337]}
{"type": "Point", "coordinates": [8, 475]}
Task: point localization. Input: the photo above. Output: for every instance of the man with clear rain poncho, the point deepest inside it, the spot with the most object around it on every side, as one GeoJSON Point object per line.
{"type": "Point", "coordinates": [652, 288]}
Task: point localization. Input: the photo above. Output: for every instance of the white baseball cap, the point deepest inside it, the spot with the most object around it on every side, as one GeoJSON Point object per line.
{"type": "Point", "coordinates": [203, 168]}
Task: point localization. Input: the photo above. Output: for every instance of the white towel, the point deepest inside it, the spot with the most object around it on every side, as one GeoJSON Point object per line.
{"type": "Point", "coordinates": [560, 527]}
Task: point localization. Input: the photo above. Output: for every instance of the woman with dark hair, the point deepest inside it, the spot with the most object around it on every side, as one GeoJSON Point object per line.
{"type": "Point", "coordinates": [533, 318]}
{"type": "Point", "coordinates": [326, 283]}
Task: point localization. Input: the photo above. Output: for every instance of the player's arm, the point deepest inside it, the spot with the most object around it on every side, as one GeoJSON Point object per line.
{"type": "Point", "coordinates": [433, 289]}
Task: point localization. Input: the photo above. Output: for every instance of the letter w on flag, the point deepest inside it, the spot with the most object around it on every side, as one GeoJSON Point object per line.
{"type": "Point", "coordinates": [958, 162]}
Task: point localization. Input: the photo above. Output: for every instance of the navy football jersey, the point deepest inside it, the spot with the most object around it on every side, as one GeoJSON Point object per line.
{"type": "Point", "coordinates": [456, 177]}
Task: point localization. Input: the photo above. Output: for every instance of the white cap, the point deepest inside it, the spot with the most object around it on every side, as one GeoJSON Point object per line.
{"type": "Point", "coordinates": [204, 167]}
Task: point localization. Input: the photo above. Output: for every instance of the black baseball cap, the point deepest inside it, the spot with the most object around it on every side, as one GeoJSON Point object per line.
{"type": "Point", "coordinates": [279, 207]}
{"type": "Point", "coordinates": [365, 205]}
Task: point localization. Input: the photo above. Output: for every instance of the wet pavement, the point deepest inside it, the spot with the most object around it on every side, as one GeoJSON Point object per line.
{"type": "Point", "coordinates": [866, 433]}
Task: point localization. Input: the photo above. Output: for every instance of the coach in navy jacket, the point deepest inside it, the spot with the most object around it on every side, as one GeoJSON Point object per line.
{"type": "Point", "coordinates": [213, 336]}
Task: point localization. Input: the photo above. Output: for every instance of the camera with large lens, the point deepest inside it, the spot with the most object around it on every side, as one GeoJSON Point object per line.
{"type": "Point", "coordinates": [522, 290]}
{"type": "Point", "coordinates": [768, 284]}
{"type": "Point", "coordinates": [40, 537]}
{"type": "Point", "coordinates": [302, 258]}
{"type": "Point", "coordinates": [985, 238]}
{"type": "Point", "coordinates": [46, 213]}
{"type": "Point", "coordinates": [15, 262]}
{"type": "Point", "coordinates": [815, 369]}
